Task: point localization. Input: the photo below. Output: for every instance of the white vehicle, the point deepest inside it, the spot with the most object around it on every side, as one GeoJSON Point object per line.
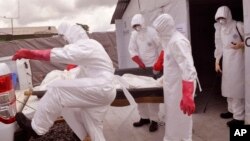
{"type": "Point", "coordinates": [14, 76]}
{"type": "Point", "coordinates": [7, 104]}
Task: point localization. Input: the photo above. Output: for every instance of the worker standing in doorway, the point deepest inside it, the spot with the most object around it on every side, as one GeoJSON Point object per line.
{"type": "Point", "coordinates": [229, 45]}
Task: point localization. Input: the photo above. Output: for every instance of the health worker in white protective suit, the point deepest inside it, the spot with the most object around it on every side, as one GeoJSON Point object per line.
{"type": "Point", "coordinates": [144, 48]}
{"type": "Point", "coordinates": [229, 45]}
{"type": "Point", "coordinates": [92, 91]}
{"type": "Point", "coordinates": [179, 80]}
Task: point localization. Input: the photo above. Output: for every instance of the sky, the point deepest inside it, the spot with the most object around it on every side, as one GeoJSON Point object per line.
{"type": "Point", "coordinates": [96, 14]}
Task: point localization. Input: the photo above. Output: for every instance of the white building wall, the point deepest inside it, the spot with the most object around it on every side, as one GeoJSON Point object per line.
{"type": "Point", "coordinates": [124, 60]}
{"type": "Point", "coordinates": [246, 8]}
{"type": "Point", "coordinates": [122, 40]}
{"type": "Point", "coordinates": [150, 10]}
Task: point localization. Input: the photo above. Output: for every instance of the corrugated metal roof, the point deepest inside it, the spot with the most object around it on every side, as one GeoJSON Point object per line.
{"type": "Point", "coordinates": [28, 30]}
{"type": "Point", "coordinates": [119, 10]}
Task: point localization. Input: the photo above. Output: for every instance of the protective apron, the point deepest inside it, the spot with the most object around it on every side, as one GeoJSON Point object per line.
{"type": "Point", "coordinates": [233, 59]}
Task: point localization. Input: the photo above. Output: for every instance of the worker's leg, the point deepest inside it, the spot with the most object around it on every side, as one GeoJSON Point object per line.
{"type": "Point", "coordinates": [238, 109]}
{"type": "Point", "coordinates": [67, 95]}
{"type": "Point", "coordinates": [238, 106]}
{"type": "Point", "coordinates": [93, 122]}
{"type": "Point", "coordinates": [143, 110]}
{"type": "Point", "coordinates": [178, 126]}
{"type": "Point", "coordinates": [153, 114]}
{"type": "Point", "coordinates": [153, 111]}
{"type": "Point", "coordinates": [144, 115]}
{"type": "Point", "coordinates": [48, 110]}
{"type": "Point", "coordinates": [229, 113]}
{"type": "Point", "coordinates": [73, 118]}
{"type": "Point", "coordinates": [229, 104]}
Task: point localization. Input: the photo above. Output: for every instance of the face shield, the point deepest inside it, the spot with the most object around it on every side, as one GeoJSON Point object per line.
{"type": "Point", "coordinates": [137, 27]}
{"type": "Point", "coordinates": [138, 22]}
{"type": "Point", "coordinates": [222, 21]}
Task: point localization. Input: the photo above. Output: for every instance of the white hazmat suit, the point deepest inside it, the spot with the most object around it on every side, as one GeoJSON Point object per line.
{"type": "Point", "coordinates": [82, 101]}
{"type": "Point", "coordinates": [145, 44]}
{"type": "Point", "coordinates": [179, 77]}
{"type": "Point", "coordinates": [226, 35]}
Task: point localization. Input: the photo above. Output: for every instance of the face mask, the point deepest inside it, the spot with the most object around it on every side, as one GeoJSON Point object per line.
{"type": "Point", "coordinates": [138, 28]}
{"type": "Point", "coordinates": [222, 21]}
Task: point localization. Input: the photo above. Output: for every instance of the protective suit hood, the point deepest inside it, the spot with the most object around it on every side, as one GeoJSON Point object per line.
{"type": "Point", "coordinates": [72, 33]}
{"type": "Point", "coordinates": [164, 25]}
{"type": "Point", "coordinates": [138, 19]}
{"type": "Point", "coordinates": [223, 12]}
{"type": "Point", "coordinates": [63, 27]}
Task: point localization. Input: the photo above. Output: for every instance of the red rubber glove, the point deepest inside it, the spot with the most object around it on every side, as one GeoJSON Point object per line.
{"type": "Point", "coordinates": [158, 66]}
{"type": "Point", "coordinates": [70, 66]}
{"type": "Point", "coordinates": [187, 104]}
{"type": "Point", "coordinates": [32, 54]}
{"type": "Point", "coordinates": [139, 62]}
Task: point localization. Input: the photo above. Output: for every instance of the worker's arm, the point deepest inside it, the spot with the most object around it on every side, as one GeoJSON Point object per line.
{"type": "Point", "coordinates": [32, 54]}
{"type": "Point", "coordinates": [182, 54]}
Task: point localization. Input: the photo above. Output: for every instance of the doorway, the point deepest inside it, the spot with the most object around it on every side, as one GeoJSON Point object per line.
{"type": "Point", "coordinates": [202, 21]}
{"type": "Point", "coordinates": [202, 33]}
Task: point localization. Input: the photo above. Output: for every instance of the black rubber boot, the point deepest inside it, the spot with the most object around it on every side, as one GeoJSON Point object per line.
{"type": "Point", "coordinates": [153, 126]}
{"type": "Point", "coordinates": [235, 123]}
{"type": "Point", "coordinates": [226, 115]}
{"type": "Point", "coordinates": [141, 122]}
{"type": "Point", "coordinates": [25, 124]}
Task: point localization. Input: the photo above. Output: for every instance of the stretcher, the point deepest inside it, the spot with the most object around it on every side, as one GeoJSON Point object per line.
{"type": "Point", "coordinates": [140, 95]}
